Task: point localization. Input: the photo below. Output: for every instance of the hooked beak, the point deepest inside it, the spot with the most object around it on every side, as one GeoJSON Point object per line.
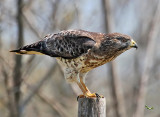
{"type": "Point", "coordinates": [133, 44]}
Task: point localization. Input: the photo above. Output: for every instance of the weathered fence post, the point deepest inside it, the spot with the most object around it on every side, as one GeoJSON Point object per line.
{"type": "Point", "coordinates": [91, 107]}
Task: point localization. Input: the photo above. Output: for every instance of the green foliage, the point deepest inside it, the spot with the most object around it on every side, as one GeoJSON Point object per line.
{"type": "Point", "coordinates": [149, 108]}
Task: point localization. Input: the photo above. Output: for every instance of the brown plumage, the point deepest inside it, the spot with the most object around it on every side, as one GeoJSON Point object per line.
{"type": "Point", "coordinates": [79, 51]}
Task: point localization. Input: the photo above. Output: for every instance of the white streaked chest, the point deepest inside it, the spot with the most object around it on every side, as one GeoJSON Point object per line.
{"type": "Point", "coordinates": [75, 64]}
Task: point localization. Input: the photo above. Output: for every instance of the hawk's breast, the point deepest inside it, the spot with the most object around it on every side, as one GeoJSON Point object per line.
{"type": "Point", "coordinates": [83, 63]}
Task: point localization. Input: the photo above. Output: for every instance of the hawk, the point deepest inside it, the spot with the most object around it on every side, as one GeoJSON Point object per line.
{"type": "Point", "coordinates": [79, 51]}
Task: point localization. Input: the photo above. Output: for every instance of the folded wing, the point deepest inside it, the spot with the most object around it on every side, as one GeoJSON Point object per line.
{"type": "Point", "coordinates": [66, 44]}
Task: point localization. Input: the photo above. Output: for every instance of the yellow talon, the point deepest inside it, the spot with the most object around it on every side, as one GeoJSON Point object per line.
{"type": "Point", "coordinates": [88, 94]}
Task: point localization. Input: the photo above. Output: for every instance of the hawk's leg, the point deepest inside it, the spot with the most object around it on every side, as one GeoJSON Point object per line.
{"type": "Point", "coordinates": [82, 86]}
{"type": "Point", "coordinates": [87, 93]}
{"type": "Point", "coordinates": [85, 90]}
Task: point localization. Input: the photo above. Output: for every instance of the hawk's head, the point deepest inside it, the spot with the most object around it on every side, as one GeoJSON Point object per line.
{"type": "Point", "coordinates": [120, 41]}
{"type": "Point", "coordinates": [116, 43]}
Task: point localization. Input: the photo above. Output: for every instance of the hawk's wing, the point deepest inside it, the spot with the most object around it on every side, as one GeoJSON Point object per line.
{"type": "Point", "coordinates": [68, 44]}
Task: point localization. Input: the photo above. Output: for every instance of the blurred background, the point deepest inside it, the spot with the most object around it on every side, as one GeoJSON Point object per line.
{"type": "Point", "coordinates": [34, 86]}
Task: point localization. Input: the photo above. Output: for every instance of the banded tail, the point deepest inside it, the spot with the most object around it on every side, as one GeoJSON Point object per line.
{"type": "Point", "coordinates": [35, 48]}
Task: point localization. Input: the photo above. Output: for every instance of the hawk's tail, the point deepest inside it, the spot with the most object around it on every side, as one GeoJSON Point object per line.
{"type": "Point", "coordinates": [35, 48]}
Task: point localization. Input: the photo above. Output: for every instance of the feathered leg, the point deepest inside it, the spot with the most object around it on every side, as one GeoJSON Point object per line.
{"type": "Point", "coordinates": [84, 88]}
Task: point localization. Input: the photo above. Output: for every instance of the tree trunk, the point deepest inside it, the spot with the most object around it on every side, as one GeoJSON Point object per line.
{"type": "Point", "coordinates": [15, 94]}
{"type": "Point", "coordinates": [116, 86]}
{"type": "Point", "coordinates": [91, 107]}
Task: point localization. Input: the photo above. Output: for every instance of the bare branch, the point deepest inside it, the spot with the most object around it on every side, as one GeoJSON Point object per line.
{"type": "Point", "coordinates": [117, 93]}
{"type": "Point", "coordinates": [8, 81]}
{"type": "Point", "coordinates": [109, 24]}
{"type": "Point", "coordinates": [55, 5]}
{"type": "Point", "coordinates": [31, 65]}
{"type": "Point", "coordinates": [15, 82]}
{"type": "Point", "coordinates": [18, 59]}
{"type": "Point", "coordinates": [147, 63]}
{"type": "Point", "coordinates": [31, 26]}
{"type": "Point", "coordinates": [54, 105]}
{"type": "Point", "coordinates": [37, 87]}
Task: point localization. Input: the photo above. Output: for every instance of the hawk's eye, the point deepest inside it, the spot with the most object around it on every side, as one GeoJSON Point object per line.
{"type": "Point", "coordinates": [122, 39]}
{"type": "Point", "coordinates": [119, 38]}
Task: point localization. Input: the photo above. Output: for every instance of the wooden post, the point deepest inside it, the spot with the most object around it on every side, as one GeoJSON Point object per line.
{"type": "Point", "coordinates": [91, 107]}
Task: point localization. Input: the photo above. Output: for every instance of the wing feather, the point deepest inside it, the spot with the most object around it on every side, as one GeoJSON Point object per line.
{"type": "Point", "coordinates": [68, 44]}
